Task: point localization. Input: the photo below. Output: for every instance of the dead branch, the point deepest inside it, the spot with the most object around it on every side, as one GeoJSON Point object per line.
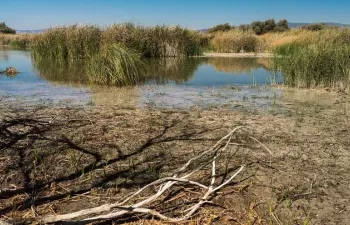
{"type": "Point", "coordinates": [111, 211]}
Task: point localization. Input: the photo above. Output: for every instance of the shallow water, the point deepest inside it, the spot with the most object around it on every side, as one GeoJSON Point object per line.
{"type": "Point", "coordinates": [168, 83]}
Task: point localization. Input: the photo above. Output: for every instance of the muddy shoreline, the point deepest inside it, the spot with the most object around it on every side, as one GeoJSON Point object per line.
{"type": "Point", "coordinates": [60, 159]}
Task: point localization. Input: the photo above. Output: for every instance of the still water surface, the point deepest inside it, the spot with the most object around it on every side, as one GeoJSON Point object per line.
{"type": "Point", "coordinates": [169, 83]}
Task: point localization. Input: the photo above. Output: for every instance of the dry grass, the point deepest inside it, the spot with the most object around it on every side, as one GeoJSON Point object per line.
{"type": "Point", "coordinates": [316, 59]}
{"type": "Point", "coordinates": [17, 40]}
{"type": "Point", "coordinates": [235, 41]}
{"type": "Point", "coordinates": [155, 41]}
{"type": "Point", "coordinates": [270, 41]}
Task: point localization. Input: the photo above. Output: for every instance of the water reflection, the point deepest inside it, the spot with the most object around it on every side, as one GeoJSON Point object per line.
{"type": "Point", "coordinates": [169, 70]}
{"type": "Point", "coordinates": [158, 71]}
{"type": "Point", "coordinates": [166, 82]}
{"type": "Point", "coordinates": [238, 65]}
{"type": "Point", "coordinates": [165, 70]}
{"type": "Point", "coordinates": [60, 73]}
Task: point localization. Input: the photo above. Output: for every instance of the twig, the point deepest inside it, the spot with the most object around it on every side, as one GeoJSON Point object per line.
{"type": "Point", "coordinates": [118, 209]}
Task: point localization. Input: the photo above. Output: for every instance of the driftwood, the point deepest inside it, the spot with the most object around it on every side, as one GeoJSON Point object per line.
{"type": "Point", "coordinates": [181, 176]}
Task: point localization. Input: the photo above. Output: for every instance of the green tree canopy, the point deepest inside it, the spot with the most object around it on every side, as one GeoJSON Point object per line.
{"type": "Point", "coordinates": [5, 29]}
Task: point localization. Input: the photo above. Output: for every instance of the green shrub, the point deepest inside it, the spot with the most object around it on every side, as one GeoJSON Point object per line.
{"type": "Point", "coordinates": [221, 27]}
{"type": "Point", "coordinates": [314, 27]}
{"type": "Point", "coordinates": [263, 27]}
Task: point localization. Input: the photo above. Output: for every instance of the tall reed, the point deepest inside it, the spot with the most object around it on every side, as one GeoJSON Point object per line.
{"type": "Point", "coordinates": [18, 41]}
{"type": "Point", "coordinates": [235, 41]}
{"type": "Point", "coordinates": [322, 60]}
{"type": "Point", "coordinates": [156, 41]}
{"type": "Point", "coordinates": [68, 43]}
{"type": "Point", "coordinates": [114, 65]}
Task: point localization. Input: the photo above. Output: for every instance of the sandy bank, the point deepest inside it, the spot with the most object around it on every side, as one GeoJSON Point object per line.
{"type": "Point", "coordinates": [239, 55]}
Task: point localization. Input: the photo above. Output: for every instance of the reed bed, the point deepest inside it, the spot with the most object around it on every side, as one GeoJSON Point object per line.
{"type": "Point", "coordinates": [321, 60]}
{"type": "Point", "coordinates": [270, 41]}
{"type": "Point", "coordinates": [68, 43]}
{"type": "Point", "coordinates": [156, 41]}
{"type": "Point", "coordinates": [80, 42]}
{"type": "Point", "coordinates": [18, 41]}
{"type": "Point", "coordinates": [113, 55]}
{"type": "Point", "coordinates": [235, 41]}
{"type": "Point", "coordinates": [115, 65]}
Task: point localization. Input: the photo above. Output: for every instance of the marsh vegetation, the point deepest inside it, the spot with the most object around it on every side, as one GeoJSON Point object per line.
{"type": "Point", "coordinates": [57, 159]}
{"type": "Point", "coordinates": [309, 56]}
{"type": "Point", "coordinates": [321, 60]}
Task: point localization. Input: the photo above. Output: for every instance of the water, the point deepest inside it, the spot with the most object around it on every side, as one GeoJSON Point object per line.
{"type": "Point", "coordinates": [168, 83]}
{"type": "Point", "coordinates": [30, 88]}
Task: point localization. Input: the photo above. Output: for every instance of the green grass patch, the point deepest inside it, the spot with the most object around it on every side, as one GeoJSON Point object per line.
{"type": "Point", "coordinates": [321, 61]}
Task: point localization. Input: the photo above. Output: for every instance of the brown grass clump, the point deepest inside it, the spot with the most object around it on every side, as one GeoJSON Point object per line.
{"type": "Point", "coordinates": [270, 41]}
{"type": "Point", "coordinates": [235, 41]}
{"type": "Point", "coordinates": [155, 41]}
{"type": "Point", "coordinates": [17, 40]}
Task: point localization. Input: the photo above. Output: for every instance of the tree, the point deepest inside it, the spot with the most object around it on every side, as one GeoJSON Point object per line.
{"type": "Point", "coordinates": [244, 27]}
{"type": "Point", "coordinates": [221, 27]}
{"type": "Point", "coordinates": [282, 26]}
{"type": "Point", "coordinates": [314, 26]}
{"type": "Point", "coordinates": [269, 25]}
{"type": "Point", "coordinates": [258, 27]}
{"type": "Point", "coordinates": [5, 29]}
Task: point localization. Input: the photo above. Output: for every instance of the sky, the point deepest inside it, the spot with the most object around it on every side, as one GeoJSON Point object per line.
{"type": "Point", "coordinates": [194, 14]}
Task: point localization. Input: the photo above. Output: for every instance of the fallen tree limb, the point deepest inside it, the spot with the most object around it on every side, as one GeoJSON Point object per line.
{"type": "Point", "coordinates": [111, 211]}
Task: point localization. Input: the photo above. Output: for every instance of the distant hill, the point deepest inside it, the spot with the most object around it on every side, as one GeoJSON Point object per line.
{"type": "Point", "coordinates": [28, 31]}
{"type": "Point", "coordinates": [296, 25]}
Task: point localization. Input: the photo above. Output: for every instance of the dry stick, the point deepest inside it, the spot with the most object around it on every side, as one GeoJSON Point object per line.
{"type": "Point", "coordinates": [266, 148]}
{"type": "Point", "coordinates": [108, 207]}
{"type": "Point", "coordinates": [208, 151]}
{"type": "Point", "coordinates": [159, 215]}
{"type": "Point", "coordinates": [170, 182]}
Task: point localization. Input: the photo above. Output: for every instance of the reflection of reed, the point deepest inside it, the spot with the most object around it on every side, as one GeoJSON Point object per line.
{"type": "Point", "coordinates": [159, 70]}
{"type": "Point", "coordinates": [178, 70]}
{"type": "Point", "coordinates": [61, 73]}
{"type": "Point", "coordinates": [4, 56]}
{"type": "Point", "coordinates": [237, 65]}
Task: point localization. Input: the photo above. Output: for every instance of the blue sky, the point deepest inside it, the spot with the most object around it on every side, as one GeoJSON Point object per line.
{"type": "Point", "coordinates": [196, 14]}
